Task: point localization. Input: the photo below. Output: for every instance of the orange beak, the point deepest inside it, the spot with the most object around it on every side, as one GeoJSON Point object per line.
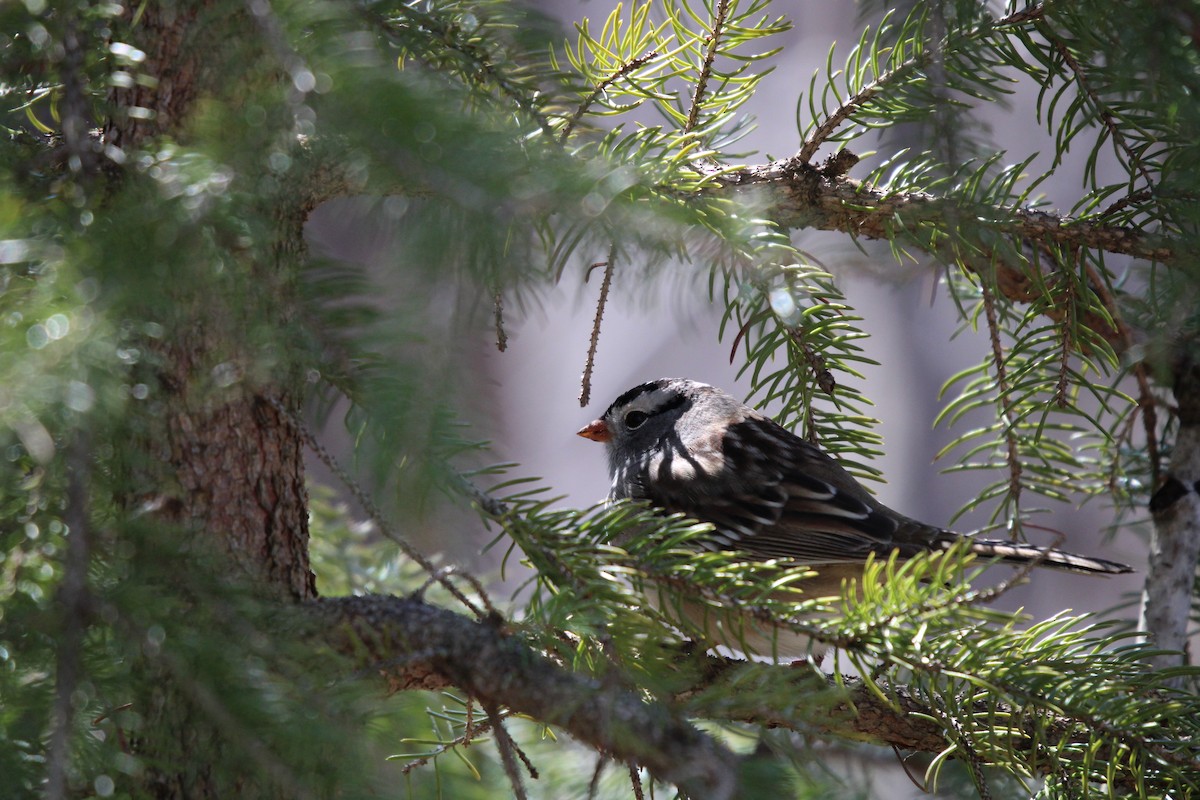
{"type": "Point", "coordinates": [596, 431]}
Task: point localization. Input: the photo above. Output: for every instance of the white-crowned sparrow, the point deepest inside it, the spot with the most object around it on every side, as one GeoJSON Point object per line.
{"type": "Point", "coordinates": [688, 447]}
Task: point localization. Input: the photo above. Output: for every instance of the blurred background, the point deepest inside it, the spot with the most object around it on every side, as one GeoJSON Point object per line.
{"type": "Point", "coordinates": [526, 399]}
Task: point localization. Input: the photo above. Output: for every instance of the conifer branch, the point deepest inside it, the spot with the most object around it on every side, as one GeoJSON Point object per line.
{"type": "Point", "coordinates": [417, 646]}
{"type": "Point", "coordinates": [585, 389]}
{"type": "Point", "coordinates": [1103, 112]}
{"type": "Point", "coordinates": [440, 575]}
{"type": "Point", "coordinates": [705, 70]}
{"type": "Point", "coordinates": [628, 68]}
{"type": "Point", "coordinates": [471, 48]}
{"type": "Point", "coordinates": [508, 749]}
{"type": "Point", "coordinates": [885, 80]}
{"type": "Point", "coordinates": [1007, 416]}
{"type": "Point", "coordinates": [799, 196]}
{"type": "Point", "coordinates": [828, 126]}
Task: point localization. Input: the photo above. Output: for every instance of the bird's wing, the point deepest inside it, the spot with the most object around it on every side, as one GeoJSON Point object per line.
{"type": "Point", "coordinates": [769, 502]}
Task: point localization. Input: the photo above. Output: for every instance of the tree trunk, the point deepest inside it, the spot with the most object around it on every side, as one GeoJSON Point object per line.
{"type": "Point", "coordinates": [222, 464]}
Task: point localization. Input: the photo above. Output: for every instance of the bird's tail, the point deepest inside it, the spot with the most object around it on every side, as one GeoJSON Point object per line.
{"type": "Point", "coordinates": [1013, 553]}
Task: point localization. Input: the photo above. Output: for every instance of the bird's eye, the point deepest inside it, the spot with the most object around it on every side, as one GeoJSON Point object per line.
{"type": "Point", "coordinates": [635, 419]}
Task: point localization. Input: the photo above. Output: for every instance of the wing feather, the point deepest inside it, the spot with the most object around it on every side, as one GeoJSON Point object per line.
{"type": "Point", "coordinates": [772, 495]}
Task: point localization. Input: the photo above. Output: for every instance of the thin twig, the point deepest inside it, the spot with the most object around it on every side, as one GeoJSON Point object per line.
{"type": "Point", "coordinates": [492, 506]}
{"type": "Point", "coordinates": [714, 43]}
{"type": "Point", "coordinates": [529, 767]}
{"type": "Point", "coordinates": [505, 745]}
{"type": "Point", "coordinates": [859, 99]}
{"type": "Point", "coordinates": [376, 516]}
{"type": "Point", "coordinates": [602, 87]}
{"type": "Point", "coordinates": [585, 390]}
{"type": "Point", "coordinates": [473, 731]}
{"type": "Point", "coordinates": [1100, 106]}
{"type": "Point", "coordinates": [797, 197]}
{"type": "Point", "coordinates": [863, 96]}
{"type": "Point", "coordinates": [483, 62]}
{"type": "Point", "coordinates": [635, 781]}
{"type": "Point", "coordinates": [1066, 340]}
{"type": "Point", "coordinates": [1014, 461]}
{"type": "Point", "coordinates": [444, 573]}
{"type": "Point", "coordinates": [741, 334]}
{"type": "Point", "coordinates": [922, 786]}
{"type": "Point", "coordinates": [594, 783]}
{"type": "Point", "coordinates": [1064, 359]}
{"type": "Point", "coordinates": [1140, 196]}
{"type": "Point", "coordinates": [1146, 400]}
{"type": "Point", "coordinates": [475, 584]}
{"type": "Point", "coordinates": [498, 317]}
{"type": "Point", "coordinates": [815, 362]}
{"type": "Point", "coordinates": [962, 743]}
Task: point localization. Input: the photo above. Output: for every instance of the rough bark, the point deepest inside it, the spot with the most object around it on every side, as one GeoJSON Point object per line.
{"type": "Point", "coordinates": [240, 475]}
{"type": "Point", "coordinates": [184, 54]}
{"type": "Point", "coordinates": [220, 462]}
{"type": "Point", "coordinates": [417, 646]}
{"type": "Point", "coordinates": [224, 463]}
